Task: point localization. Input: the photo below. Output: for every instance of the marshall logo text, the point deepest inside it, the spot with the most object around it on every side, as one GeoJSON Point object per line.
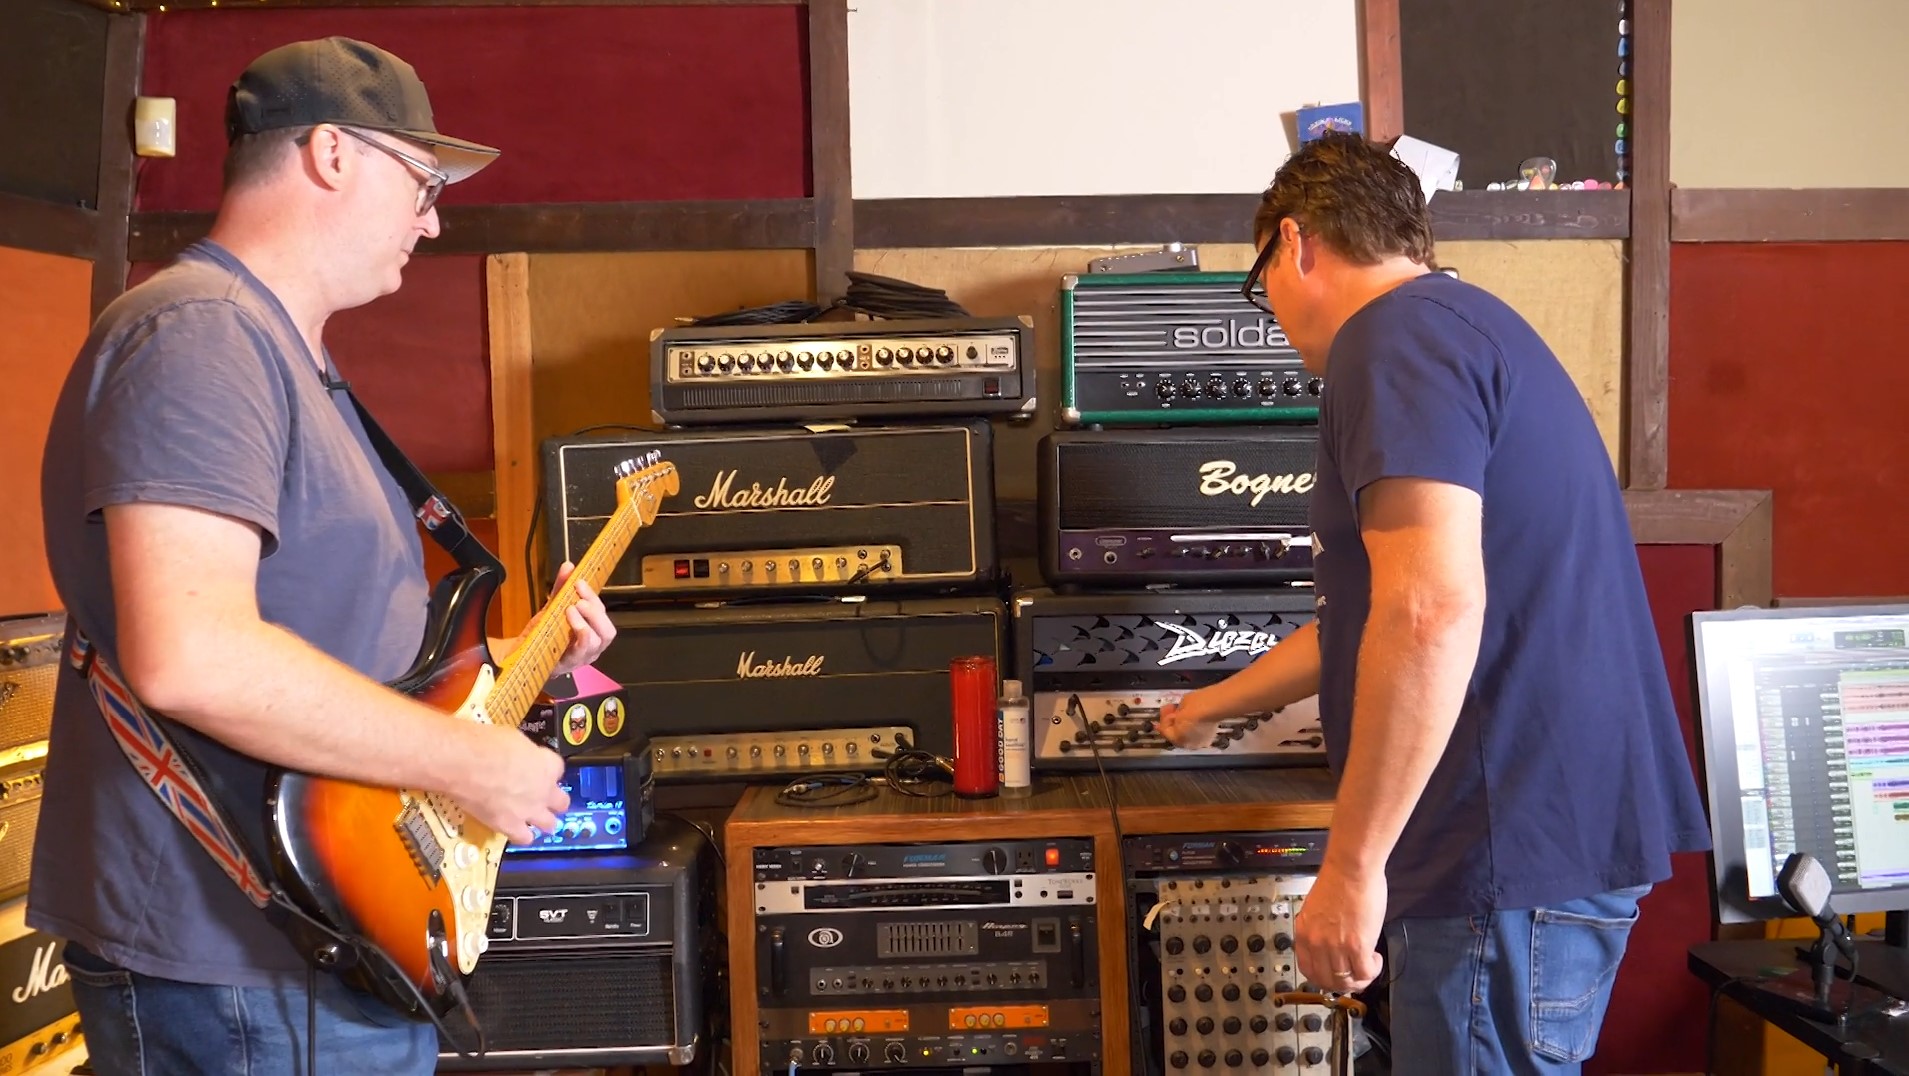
{"type": "Point", "coordinates": [46, 975]}
{"type": "Point", "coordinates": [724, 494]}
{"type": "Point", "coordinates": [748, 669]}
{"type": "Point", "coordinates": [1222, 476]}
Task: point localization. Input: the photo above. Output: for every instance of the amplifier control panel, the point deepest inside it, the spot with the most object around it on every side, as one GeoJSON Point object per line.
{"type": "Point", "coordinates": [831, 565]}
{"type": "Point", "coordinates": [881, 356]}
{"type": "Point", "coordinates": [771, 754]}
{"type": "Point", "coordinates": [1122, 727]}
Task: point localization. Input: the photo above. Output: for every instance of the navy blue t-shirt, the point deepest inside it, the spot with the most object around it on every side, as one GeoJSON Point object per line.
{"type": "Point", "coordinates": [1566, 774]}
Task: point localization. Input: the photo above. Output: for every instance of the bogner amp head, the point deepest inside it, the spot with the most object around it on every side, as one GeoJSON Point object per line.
{"type": "Point", "coordinates": [765, 690]}
{"type": "Point", "coordinates": [1100, 666]}
{"type": "Point", "coordinates": [598, 958]}
{"type": "Point", "coordinates": [1193, 506]}
{"type": "Point", "coordinates": [788, 511]}
{"type": "Point", "coordinates": [842, 369]}
{"type": "Point", "coordinates": [1208, 973]}
{"type": "Point", "coordinates": [29, 658]}
{"type": "Point", "coordinates": [1180, 348]}
{"type": "Point", "coordinates": [892, 956]}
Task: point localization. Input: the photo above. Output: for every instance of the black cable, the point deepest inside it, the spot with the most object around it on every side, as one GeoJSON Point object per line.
{"type": "Point", "coordinates": [311, 1019]}
{"type": "Point", "coordinates": [788, 312]}
{"type": "Point", "coordinates": [907, 768]}
{"type": "Point", "coordinates": [827, 790]}
{"type": "Point", "coordinates": [887, 297]}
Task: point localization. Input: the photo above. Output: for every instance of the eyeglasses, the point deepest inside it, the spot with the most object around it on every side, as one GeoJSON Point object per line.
{"type": "Point", "coordinates": [428, 188]}
{"type": "Point", "coordinates": [1254, 287]}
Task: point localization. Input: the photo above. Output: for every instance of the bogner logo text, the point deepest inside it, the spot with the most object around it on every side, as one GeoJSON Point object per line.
{"type": "Point", "coordinates": [1263, 332]}
{"type": "Point", "coordinates": [1219, 477]}
{"type": "Point", "coordinates": [1191, 644]}
{"type": "Point", "coordinates": [748, 668]}
{"type": "Point", "coordinates": [724, 494]}
{"type": "Point", "coordinates": [46, 975]}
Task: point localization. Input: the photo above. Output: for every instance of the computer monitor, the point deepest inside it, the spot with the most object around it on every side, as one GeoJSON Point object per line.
{"type": "Point", "coordinates": [1804, 720]}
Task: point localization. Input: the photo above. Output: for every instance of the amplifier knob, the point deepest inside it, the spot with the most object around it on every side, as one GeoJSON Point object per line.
{"type": "Point", "coordinates": [1315, 387]}
{"type": "Point", "coordinates": [825, 360]}
{"type": "Point", "coordinates": [1177, 1025]}
{"type": "Point", "coordinates": [1282, 942]}
{"type": "Point", "coordinates": [894, 1053]}
{"type": "Point", "coordinates": [1202, 943]}
{"type": "Point", "coordinates": [1203, 992]}
{"type": "Point", "coordinates": [828, 749]}
{"type": "Point", "coordinates": [1261, 1058]}
{"type": "Point", "coordinates": [1231, 991]}
{"type": "Point", "coordinates": [1286, 1055]}
{"type": "Point", "coordinates": [845, 359]}
{"type": "Point", "coordinates": [1258, 1024]}
{"type": "Point", "coordinates": [1215, 387]}
{"type": "Point", "coordinates": [1207, 1059]}
{"type": "Point", "coordinates": [1175, 946]}
{"type": "Point", "coordinates": [724, 362]}
{"type": "Point", "coordinates": [1257, 992]}
{"type": "Point", "coordinates": [1229, 944]}
{"type": "Point", "coordinates": [884, 356]}
{"type": "Point", "coordinates": [1242, 388]}
{"type": "Point", "coordinates": [1267, 386]}
{"type": "Point", "coordinates": [1189, 387]}
{"type": "Point", "coordinates": [1290, 386]}
{"type": "Point", "coordinates": [805, 360]}
{"type": "Point", "coordinates": [1176, 993]}
{"type": "Point", "coordinates": [1233, 1059]}
{"type": "Point", "coordinates": [1164, 390]}
{"type": "Point", "coordinates": [994, 861]}
{"type": "Point", "coordinates": [824, 1054]}
{"type": "Point", "coordinates": [705, 363]}
{"type": "Point", "coordinates": [858, 1052]}
{"type": "Point", "coordinates": [944, 354]}
{"type": "Point", "coordinates": [1312, 1055]}
{"type": "Point", "coordinates": [785, 361]}
{"type": "Point", "coordinates": [1177, 1059]}
{"type": "Point", "coordinates": [905, 356]}
{"type": "Point", "coordinates": [1231, 1026]}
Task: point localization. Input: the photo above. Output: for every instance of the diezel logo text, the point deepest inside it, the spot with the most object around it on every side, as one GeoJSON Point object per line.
{"type": "Point", "coordinates": [1191, 644]}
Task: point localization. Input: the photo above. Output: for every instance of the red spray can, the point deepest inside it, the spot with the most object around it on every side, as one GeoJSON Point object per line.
{"type": "Point", "coordinates": [977, 735]}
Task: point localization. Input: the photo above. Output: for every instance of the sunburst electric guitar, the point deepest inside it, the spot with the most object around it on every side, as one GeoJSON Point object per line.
{"type": "Point", "coordinates": [408, 875]}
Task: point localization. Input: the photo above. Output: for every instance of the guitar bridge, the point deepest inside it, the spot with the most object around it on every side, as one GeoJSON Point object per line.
{"type": "Point", "coordinates": [423, 845]}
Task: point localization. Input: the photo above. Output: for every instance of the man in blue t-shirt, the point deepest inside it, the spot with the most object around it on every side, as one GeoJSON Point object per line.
{"type": "Point", "coordinates": [1512, 779]}
{"type": "Point", "coordinates": [224, 533]}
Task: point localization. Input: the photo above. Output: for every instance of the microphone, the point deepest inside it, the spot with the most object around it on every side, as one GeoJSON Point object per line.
{"type": "Point", "coordinates": [1805, 886]}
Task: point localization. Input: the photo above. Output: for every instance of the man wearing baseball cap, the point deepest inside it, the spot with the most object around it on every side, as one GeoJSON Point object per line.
{"type": "Point", "coordinates": [234, 555]}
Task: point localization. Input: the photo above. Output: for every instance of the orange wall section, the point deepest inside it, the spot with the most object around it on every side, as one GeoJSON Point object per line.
{"type": "Point", "coordinates": [45, 311]}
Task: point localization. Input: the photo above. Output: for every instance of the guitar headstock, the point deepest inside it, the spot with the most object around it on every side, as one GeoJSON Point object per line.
{"type": "Point", "coordinates": [646, 480]}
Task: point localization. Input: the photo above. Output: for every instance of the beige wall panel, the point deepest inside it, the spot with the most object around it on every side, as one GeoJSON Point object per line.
{"type": "Point", "coordinates": [1570, 290]}
{"type": "Point", "coordinates": [1779, 93]}
{"type": "Point", "coordinates": [591, 316]}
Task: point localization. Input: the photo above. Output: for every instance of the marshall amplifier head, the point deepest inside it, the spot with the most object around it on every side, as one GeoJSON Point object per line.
{"type": "Point", "coordinates": [39, 1019]}
{"type": "Point", "coordinates": [598, 958]}
{"type": "Point", "coordinates": [29, 656]}
{"type": "Point", "coordinates": [1189, 506]}
{"type": "Point", "coordinates": [842, 369]}
{"type": "Point", "coordinates": [788, 511]}
{"type": "Point", "coordinates": [765, 690]}
{"type": "Point", "coordinates": [1180, 348]}
{"type": "Point", "coordinates": [1100, 667]}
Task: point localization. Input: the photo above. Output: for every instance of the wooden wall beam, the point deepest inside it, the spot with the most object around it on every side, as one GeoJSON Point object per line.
{"type": "Point", "coordinates": [1739, 522]}
{"type": "Point", "coordinates": [832, 177]}
{"type": "Point", "coordinates": [1381, 70]}
{"type": "Point", "coordinates": [1757, 215]}
{"type": "Point", "coordinates": [47, 227]}
{"type": "Point", "coordinates": [125, 56]}
{"type": "Point", "coordinates": [507, 291]}
{"type": "Point", "coordinates": [760, 224]}
{"type": "Point", "coordinates": [1090, 220]}
{"type": "Point", "coordinates": [1646, 449]}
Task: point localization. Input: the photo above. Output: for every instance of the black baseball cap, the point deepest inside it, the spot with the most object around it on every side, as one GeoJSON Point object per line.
{"type": "Point", "coordinates": [346, 82]}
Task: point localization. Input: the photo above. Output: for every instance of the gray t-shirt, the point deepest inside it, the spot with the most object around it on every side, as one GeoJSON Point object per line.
{"type": "Point", "coordinates": [196, 389]}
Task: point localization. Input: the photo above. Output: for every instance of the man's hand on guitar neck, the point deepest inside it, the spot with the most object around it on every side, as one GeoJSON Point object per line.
{"type": "Point", "coordinates": [591, 631]}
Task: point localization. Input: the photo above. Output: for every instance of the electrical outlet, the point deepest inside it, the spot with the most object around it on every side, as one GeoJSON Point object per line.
{"type": "Point", "coordinates": [1026, 861]}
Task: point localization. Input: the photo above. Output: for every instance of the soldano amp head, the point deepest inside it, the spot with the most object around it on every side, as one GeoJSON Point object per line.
{"type": "Point", "coordinates": [1204, 505]}
{"type": "Point", "coordinates": [1180, 348]}
{"type": "Point", "coordinates": [787, 510]}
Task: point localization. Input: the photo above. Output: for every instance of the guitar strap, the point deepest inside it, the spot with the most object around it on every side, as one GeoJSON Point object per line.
{"type": "Point", "coordinates": [181, 783]}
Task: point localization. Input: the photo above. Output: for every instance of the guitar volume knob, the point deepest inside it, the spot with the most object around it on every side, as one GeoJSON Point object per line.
{"type": "Point", "coordinates": [473, 898]}
{"type": "Point", "coordinates": [464, 855]}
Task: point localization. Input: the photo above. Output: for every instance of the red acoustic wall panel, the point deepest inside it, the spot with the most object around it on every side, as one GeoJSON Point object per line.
{"type": "Point", "coordinates": [588, 103]}
{"type": "Point", "coordinates": [418, 360]}
{"type": "Point", "coordinates": [1790, 372]}
{"type": "Point", "coordinates": [1656, 1021]}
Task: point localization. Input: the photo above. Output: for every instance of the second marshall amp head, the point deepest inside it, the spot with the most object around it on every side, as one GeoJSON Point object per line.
{"type": "Point", "coordinates": [1176, 348]}
{"type": "Point", "coordinates": [842, 369]}
{"type": "Point", "coordinates": [788, 511]}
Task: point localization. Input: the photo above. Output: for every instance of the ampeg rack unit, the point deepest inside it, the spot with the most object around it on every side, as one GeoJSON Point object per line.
{"type": "Point", "coordinates": [599, 958]}
{"type": "Point", "coordinates": [1193, 507]}
{"type": "Point", "coordinates": [1180, 348]}
{"type": "Point", "coordinates": [754, 691]}
{"type": "Point", "coordinates": [1099, 667]}
{"type": "Point", "coordinates": [892, 956]}
{"type": "Point", "coordinates": [1211, 938]}
{"type": "Point", "coordinates": [787, 511]}
{"type": "Point", "coordinates": [842, 369]}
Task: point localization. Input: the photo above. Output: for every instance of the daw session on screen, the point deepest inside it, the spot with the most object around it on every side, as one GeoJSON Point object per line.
{"type": "Point", "coordinates": [1804, 718]}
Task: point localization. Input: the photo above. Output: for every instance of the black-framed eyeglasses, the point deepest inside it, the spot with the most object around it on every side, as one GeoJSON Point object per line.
{"type": "Point", "coordinates": [1254, 286]}
{"type": "Point", "coordinates": [428, 188]}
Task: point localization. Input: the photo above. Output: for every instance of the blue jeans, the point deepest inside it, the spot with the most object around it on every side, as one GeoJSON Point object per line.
{"type": "Point", "coordinates": [137, 1025]}
{"type": "Point", "coordinates": [1519, 991]}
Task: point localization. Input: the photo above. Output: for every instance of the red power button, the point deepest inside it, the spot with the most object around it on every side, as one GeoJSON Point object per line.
{"type": "Point", "coordinates": [1053, 857]}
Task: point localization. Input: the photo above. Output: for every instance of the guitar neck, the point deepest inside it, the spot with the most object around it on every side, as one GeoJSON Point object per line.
{"type": "Point", "coordinates": [522, 675]}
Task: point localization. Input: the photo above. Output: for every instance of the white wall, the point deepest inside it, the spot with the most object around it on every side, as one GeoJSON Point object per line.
{"type": "Point", "coordinates": [1784, 93]}
{"type": "Point", "coordinates": [979, 98]}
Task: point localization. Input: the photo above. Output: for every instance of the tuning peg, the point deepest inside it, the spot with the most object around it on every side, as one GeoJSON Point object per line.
{"type": "Point", "coordinates": [624, 469]}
